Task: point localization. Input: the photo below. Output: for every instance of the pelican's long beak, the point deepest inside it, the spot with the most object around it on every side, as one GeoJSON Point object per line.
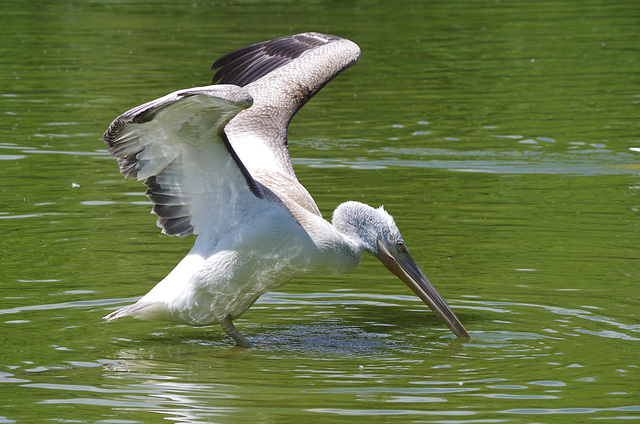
{"type": "Point", "coordinates": [405, 268]}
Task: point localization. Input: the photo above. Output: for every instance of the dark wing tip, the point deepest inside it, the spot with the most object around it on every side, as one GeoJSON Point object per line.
{"type": "Point", "coordinates": [172, 210]}
{"type": "Point", "coordinates": [251, 63]}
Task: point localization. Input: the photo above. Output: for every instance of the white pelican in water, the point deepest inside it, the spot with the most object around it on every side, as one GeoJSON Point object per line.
{"type": "Point", "coordinates": [216, 163]}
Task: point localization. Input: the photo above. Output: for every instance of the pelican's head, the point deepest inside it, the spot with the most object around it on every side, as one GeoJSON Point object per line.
{"type": "Point", "coordinates": [377, 232]}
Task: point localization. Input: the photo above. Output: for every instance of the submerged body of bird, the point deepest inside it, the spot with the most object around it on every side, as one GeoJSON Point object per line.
{"type": "Point", "coordinates": [216, 164]}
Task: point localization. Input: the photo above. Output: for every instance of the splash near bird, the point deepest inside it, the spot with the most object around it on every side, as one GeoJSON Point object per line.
{"type": "Point", "coordinates": [216, 164]}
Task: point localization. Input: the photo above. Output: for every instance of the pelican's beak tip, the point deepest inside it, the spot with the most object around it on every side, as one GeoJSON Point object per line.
{"type": "Point", "coordinates": [405, 268]}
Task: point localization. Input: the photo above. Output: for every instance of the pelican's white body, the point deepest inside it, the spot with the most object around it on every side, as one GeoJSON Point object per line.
{"type": "Point", "coordinates": [223, 278]}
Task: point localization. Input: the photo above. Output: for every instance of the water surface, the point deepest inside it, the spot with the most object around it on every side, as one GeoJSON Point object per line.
{"type": "Point", "coordinates": [502, 136]}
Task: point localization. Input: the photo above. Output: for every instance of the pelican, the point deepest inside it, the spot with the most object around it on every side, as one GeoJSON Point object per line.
{"type": "Point", "coordinates": [216, 164]}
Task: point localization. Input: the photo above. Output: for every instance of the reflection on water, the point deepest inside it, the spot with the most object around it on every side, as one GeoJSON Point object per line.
{"type": "Point", "coordinates": [328, 354]}
{"type": "Point", "coordinates": [520, 155]}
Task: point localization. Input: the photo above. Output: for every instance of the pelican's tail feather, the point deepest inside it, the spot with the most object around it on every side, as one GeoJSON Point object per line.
{"type": "Point", "coordinates": [141, 310]}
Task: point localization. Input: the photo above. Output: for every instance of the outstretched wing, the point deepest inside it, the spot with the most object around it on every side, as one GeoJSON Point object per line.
{"type": "Point", "coordinates": [177, 145]}
{"type": "Point", "coordinates": [281, 75]}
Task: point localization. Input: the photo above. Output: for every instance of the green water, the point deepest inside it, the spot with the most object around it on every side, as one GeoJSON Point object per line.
{"type": "Point", "coordinates": [499, 134]}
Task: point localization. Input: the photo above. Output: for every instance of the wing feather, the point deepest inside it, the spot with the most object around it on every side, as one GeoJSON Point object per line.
{"type": "Point", "coordinates": [281, 75]}
{"type": "Point", "coordinates": [177, 145]}
{"type": "Point", "coordinates": [241, 66]}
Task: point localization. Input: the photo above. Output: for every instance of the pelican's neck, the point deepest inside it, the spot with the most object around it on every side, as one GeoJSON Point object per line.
{"type": "Point", "coordinates": [350, 245]}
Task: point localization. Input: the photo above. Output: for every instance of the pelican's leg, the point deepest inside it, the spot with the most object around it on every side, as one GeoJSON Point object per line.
{"type": "Point", "coordinates": [231, 330]}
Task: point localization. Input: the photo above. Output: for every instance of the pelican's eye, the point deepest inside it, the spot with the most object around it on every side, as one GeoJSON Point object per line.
{"type": "Point", "coordinates": [400, 246]}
